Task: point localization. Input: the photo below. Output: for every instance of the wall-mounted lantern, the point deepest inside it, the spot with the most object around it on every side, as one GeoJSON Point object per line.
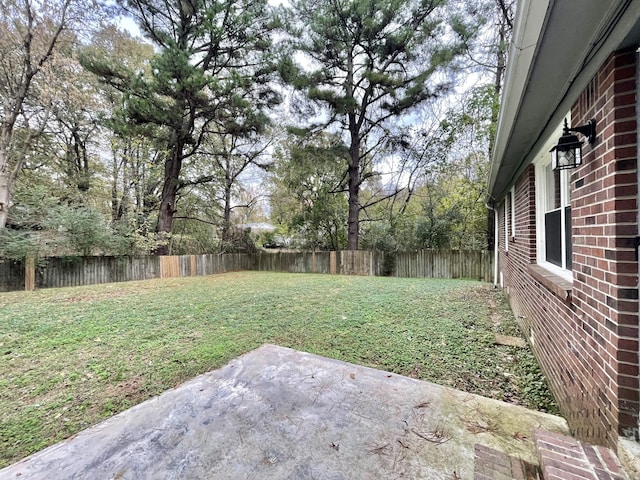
{"type": "Point", "coordinates": [568, 152]}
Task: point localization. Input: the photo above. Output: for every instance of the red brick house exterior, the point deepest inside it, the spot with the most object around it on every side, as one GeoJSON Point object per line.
{"type": "Point", "coordinates": [567, 240]}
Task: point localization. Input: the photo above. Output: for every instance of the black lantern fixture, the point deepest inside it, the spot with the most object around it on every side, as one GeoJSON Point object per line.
{"type": "Point", "coordinates": [568, 152]}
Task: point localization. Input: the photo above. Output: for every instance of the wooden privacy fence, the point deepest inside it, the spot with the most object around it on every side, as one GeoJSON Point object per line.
{"type": "Point", "coordinates": [78, 271]}
{"type": "Point", "coordinates": [476, 264]}
{"type": "Point", "coordinates": [12, 275]}
{"type": "Point", "coordinates": [56, 272]}
{"type": "Point", "coordinates": [344, 262]}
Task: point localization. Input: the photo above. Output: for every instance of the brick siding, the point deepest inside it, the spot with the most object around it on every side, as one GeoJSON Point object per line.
{"type": "Point", "coordinates": [587, 340]}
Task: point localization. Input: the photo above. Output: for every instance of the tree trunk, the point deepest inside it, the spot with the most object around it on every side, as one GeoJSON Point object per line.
{"type": "Point", "coordinates": [114, 184]}
{"type": "Point", "coordinates": [504, 36]}
{"type": "Point", "coordinates": [123, 208]}
{"type": "Point", "coordinates": [226, 221]}
{"type": "Point", "coordinates": [354, 197]}
{"type": "Point", "coordinates": [172, 167]}
{"type": "Point", "coordinates": [140, 179]}
{"type": "Point", "coordinates": [5, 197]}
{"type": "Point", "coordinates": [353, 219]}
{"type": "Point", "coordinates": [6, 182]}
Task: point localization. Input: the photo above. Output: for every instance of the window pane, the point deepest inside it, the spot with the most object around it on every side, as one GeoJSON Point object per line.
{"type": "Point", "coordinates": [557, 195]}
{"type": "Point", "coordinates": [557, 188]}
{"type": "Point", "coordinates": [549, 201]}
{"type": "Point", "coordinates": [553, 237]}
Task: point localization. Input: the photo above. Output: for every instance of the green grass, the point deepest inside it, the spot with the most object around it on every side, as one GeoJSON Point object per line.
{"type": "Point", "coordinates": [71, 357]}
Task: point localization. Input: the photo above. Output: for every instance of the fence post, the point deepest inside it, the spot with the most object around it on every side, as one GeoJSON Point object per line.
{"type": "Point", "coordinates": [425, 263]}
{"type": "Point", "coordinates": [30, 274]}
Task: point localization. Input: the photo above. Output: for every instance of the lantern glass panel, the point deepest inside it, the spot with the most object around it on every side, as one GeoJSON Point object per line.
{"type": "Point", "coordinates": [563, 159]}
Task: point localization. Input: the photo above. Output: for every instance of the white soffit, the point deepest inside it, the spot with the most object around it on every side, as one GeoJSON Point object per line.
{"type": "Point", "coordinates": [530, 17]}
{"type": "Point", "coordinates": [558, 46]}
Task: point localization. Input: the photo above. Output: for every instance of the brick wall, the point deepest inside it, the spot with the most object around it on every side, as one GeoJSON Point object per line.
{"type": "Point", "coordinates": [514, 264]}
{"type": "Point", "coordinates": [604, 214]}
{"type": "Point", "coordinates": [586, 336]}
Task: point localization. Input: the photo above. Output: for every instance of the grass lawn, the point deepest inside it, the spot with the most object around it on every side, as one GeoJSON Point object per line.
{"type": "Point", "coordinates": [71, 357]}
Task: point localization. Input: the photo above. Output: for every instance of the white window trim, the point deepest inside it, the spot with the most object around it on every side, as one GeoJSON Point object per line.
{"type": "Point", "coordinates": [506, 225]}
{"type": "Point", "coordinates": [543, 159]}
{"type": "Point", "coordinates": [513, 212]}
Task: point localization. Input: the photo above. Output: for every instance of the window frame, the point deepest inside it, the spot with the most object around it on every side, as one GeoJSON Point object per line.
{"type": "Point", "coordinates": [542, 165]}
{"type": "Point", "coordinates": [506, 224]}
{"type": "Point", "coordinates": [512, 201]}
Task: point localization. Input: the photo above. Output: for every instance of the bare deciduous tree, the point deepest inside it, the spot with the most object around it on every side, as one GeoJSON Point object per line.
{"type": "Point", "coordinates": [31, 31]}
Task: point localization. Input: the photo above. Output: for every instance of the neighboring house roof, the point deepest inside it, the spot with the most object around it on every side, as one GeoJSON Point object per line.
{"type": "Point", "coordinates": [557, 48]}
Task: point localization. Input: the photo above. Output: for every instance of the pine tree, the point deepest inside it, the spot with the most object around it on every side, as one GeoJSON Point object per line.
{"type": "Point", "coordinates": [368, 63]}
{"type": "Point", "coordinates": [211, 68]}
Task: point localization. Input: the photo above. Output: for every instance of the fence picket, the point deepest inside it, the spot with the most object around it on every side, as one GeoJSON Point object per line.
{"type": "Point", "coordinates": [76, 271]}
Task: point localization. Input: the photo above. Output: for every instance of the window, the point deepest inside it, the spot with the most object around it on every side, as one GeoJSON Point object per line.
{"type": "Point", "coordinates": [506, 224]}
{"type": "Point", "coordinates": [553, 207]}
{"type": "Point", "coordinates": [512, 203]}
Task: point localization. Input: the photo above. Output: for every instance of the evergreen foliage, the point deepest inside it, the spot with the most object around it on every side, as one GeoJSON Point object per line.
{"type": "Point", "coordinates": [210, 75]}
{"type": "Point", "coordinates": [367, 63]}
{"type": "Point", "coordinates": [162, 143]}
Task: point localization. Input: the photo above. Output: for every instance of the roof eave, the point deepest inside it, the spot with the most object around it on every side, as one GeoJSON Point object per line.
{"type": "Point", "coordinates": [527, 31]}
{"type": "Point", "coordinates": [542, 85]}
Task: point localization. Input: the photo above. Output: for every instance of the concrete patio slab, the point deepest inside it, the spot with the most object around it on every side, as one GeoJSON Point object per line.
{"type": "Point", "coordinates": [276, 413]}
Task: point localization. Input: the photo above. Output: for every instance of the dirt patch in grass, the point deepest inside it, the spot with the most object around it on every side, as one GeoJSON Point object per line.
{"type": "Point", "coordinates": [129, 388]}
{"type": "Point", "coordinates": [92, 298]}
{"type": "Point", "coordinates": [72, 357]}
